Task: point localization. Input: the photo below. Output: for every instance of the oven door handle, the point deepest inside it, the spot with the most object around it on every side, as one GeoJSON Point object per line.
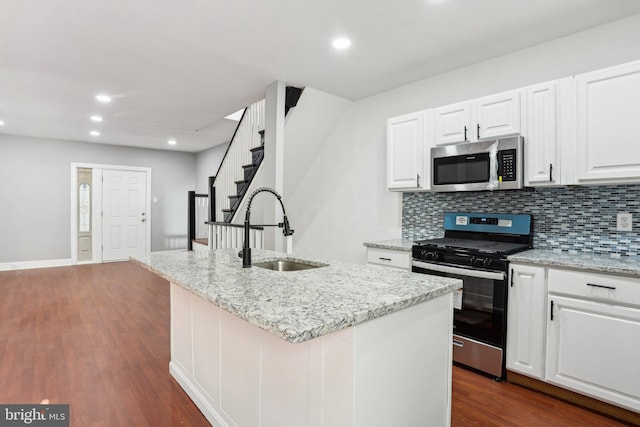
{"type": "Point", "coordinates": [460, 271]}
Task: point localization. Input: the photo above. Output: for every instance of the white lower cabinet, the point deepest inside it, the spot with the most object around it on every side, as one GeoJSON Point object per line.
{"type": "Point", "coordinates": [526, 320]}
{"type": "Point", "coordinates": [593, 336]}
{"type": "Point", "coordinates": [390, 258]}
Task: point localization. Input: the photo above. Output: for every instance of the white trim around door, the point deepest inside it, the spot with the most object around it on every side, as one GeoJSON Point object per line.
{"type": "Point", "coordinates": [97, 208]}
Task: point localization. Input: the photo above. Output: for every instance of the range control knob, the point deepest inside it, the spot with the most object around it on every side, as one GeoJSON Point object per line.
{"type": "Point", "coordinates": [480, 262]}
{"type": "Point", "coordinates": [432, 256]}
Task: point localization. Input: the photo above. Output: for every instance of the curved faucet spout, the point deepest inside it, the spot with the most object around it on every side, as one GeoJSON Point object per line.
{"type": "Point", "coordinates": [287, 231]}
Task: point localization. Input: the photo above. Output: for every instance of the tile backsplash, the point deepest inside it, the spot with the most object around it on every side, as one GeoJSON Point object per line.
{"type": "Point", "coordinates": [568, 219]}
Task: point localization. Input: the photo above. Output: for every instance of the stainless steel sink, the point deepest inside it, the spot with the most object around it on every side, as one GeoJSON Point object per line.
{"type": "Point", "coordinates": [287, 265]}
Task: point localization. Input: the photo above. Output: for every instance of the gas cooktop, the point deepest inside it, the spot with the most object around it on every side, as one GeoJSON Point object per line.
{"type": "Point", "coordinates": [479, 234]}
{"type": "Point", "coordinates": [484, 246]}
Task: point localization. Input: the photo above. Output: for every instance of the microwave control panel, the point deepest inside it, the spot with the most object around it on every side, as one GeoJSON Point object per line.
{"type": "Point", "coordinates": [507, 165]}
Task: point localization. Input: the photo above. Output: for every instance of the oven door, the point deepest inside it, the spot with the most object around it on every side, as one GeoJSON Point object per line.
{"type": "Point", "coordinates": [481, 315]}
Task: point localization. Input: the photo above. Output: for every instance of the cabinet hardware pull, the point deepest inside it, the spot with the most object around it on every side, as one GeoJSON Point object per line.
{"type": "Point", "coordinates": [602, 286]}
{"type": "Point", "coordinates": [478, 130]}
{"type": "Point", "coordinates": [417, 180]}
{"type": "Point", "coordinates": [458, 343]}
{"type": "Point", "coordinates": [552, 310]}
{"type": "Point", "coordinates": [465, 133]}
{"type": "Point", "coordinates": [511, 280]}
{"type": "Point", "coordinates": [385, 259]}
{"type": "Point", "coordinates": [550, 172]}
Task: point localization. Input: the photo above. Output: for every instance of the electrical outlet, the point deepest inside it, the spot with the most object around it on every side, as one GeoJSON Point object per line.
{"type": "Point", "coordinates": [624, 222]}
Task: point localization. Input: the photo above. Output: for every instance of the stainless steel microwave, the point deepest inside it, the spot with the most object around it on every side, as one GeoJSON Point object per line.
{"type": "Point", "coordinates": [496, 164]}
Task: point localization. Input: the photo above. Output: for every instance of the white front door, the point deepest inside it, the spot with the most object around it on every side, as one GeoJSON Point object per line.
{"type": "Point", "coordinates": [124, 224]}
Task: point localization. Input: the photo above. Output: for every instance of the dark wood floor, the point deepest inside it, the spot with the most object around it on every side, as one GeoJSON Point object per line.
{"type": "Point", "coordinates": [97, 337]}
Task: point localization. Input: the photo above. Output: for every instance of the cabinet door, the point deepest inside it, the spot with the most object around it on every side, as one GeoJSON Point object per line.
{"type": "Point", "coordinates": [541, 135]}
{"type": "Point", "coordinates": [526, 320]}
{"type": "Point", "coordinates": [608, 102]}
{"type": "Point", "coordinates": [405, 152]}
{"type": "Point", "coordinates": [453, 124]}
{"type": "Point", "coordinates": [592, 348]}
{"type": "Point", "coordinates": [497, 115]}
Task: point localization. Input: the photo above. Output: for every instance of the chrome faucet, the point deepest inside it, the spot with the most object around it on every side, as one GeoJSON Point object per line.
{"type": "Point", "coordinates": [245, 254]}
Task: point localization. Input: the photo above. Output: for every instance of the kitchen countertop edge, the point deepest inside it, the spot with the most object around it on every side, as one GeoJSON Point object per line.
{"type": "Point", "coordinates": [392, 244]}
{"type": "Point", "coordinates": [627, 266]}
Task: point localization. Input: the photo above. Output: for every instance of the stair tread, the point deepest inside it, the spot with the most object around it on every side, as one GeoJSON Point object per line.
{"type": "Point", "coordinates": [260, 148]}
{"type": "Point", "coordinates": [252, 165]}
{"type": "Point", "coordinates": [235, 196]}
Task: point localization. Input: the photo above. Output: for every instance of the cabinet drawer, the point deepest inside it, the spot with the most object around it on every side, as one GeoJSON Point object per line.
{"type": "Point", "coordinates": [603, 287]}
{"type": "Point", "coordinates": [398, 259]}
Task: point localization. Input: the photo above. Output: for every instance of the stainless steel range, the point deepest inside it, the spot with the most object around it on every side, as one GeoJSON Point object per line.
{"type": "Point", "coordinates": [474, 248]}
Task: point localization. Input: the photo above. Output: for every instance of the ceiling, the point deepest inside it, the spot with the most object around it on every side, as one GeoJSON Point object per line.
{"type": "Point", "coordinates": [176, 68]}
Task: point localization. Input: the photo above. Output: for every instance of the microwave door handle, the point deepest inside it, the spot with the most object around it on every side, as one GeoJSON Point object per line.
{"type": "Point", "coordinates": [459, 271]}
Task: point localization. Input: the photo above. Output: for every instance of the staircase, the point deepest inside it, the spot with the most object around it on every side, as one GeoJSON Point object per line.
{"type": "Point", "coordinates": [243, 158]}
{"type": "Point", "coordinates": [239, 164]}
{"type": "Point", "coordinates": [242, 185]}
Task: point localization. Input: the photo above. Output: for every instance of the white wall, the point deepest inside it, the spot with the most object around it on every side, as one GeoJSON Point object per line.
{"type": "Point", "coordinates": [35, 197]}
{"type": "Point", "coordinates": [307, 183]}
{"type": "Point", "coordinates": [207, 163]}
{"type": "Point", "coordinates": [346, 203]}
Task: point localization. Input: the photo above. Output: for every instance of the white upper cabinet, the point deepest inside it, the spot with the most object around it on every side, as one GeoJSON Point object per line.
{"type": "Point", "coordinates": [453, 123]}
{"type": "Point", "coordinates": [483, 118]}
{"type": "Point", "coordinates": [541, 129]}
{"type": "Point", "coordinates": [404, 151]}
{"type": "Point", "coordinates": [498, 115]}
{"type": "Point", "coordinates": [608, 111]}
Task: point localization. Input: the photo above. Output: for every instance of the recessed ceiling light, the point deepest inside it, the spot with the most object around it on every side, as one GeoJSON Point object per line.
{"type": "Point", "coordinates": [1, 123]}
{"type": "Point", "coordinates": [235, 116]}
{"type": "Point", "coordinates": [341, 43]}
{"type": "Point", "coordinates": [94, 133]}
{"type": "Point", "coordinates": [96, 118]}
{"type": "Point", "coordinates": [103, 98]}
{"type": "Point", "coordinates": [172, 142]}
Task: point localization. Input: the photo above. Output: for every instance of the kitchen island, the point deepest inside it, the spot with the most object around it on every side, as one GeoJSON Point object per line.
{"type": "Point", "coordinates": [337, 345]}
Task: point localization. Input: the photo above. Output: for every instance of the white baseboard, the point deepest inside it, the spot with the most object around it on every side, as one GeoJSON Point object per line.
{"type": "Point", "coordinates": [25, 265]}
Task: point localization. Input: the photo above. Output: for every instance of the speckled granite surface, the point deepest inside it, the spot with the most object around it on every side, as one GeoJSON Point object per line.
{"type": "Point", "coordinates": [583, 261]}
{"type": "Point", "coordinates": [297, 305]}
{"type": "Point", "coordinates": [393, 244]}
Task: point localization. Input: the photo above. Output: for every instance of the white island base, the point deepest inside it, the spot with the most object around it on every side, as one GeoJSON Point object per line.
{"type": "Point", "coordinates": [391, 371]}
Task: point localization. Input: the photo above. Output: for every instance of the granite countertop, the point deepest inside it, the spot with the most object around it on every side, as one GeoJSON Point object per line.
{"type": "Point", "coordinates": [393, 244]}
{"type": "Point", "coordinates": [296, 305]}
{"type": "Point", "coordinates": [629, 266]}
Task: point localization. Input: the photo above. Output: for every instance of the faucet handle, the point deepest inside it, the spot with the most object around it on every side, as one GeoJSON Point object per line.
{"type": "Point", "coordinates": [287, 228]}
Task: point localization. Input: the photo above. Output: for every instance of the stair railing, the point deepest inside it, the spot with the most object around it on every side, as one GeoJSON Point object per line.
{"type": "Point", "coordinates": [238, 153]}
{"type": "Point", "coordinates": [223, 235]}
{"type": "Point", "coordinates": [198, 215]}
